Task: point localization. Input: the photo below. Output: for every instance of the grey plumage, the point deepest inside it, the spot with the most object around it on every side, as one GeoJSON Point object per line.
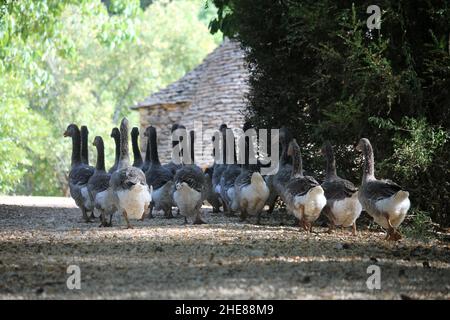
{"type": "Point", "coordinates": [384, 200]}
{"type": "Point", "coordinates": [80, 172]}
{"type": "Point", "coordinates": [137, 157]}
{"type": "Point", "coordinates": [115, 134]}
{"type": "Point", "coordinates": [158, 177]}
{"type": "Point", "coordinates": [189, 188]}
{"type": "Point", "coordinates": [128, 186]}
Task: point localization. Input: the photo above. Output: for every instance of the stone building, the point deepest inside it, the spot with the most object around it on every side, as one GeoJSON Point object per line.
{"type": "Point", "coordinates": [211, 94]}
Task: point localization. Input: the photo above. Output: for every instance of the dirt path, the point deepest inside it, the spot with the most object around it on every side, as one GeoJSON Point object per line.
{"type": "Point", "coordinates": [226, 259]}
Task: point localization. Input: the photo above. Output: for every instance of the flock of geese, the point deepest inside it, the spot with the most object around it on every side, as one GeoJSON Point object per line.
{"type": "Point", "coordinates": [136, 189]}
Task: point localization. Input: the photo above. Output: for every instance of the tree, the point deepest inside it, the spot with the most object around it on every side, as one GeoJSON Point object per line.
{"type": "Point", "coordinates": [331, 78]}
{"type": "Point", "coordinates": [72, 61]}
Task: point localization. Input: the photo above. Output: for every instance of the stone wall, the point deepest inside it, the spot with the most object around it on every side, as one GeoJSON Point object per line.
{"type": "Point", "coordinates": [218, 97]}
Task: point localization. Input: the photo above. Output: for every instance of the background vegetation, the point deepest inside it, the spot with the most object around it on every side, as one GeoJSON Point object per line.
{"type": "Point", "coordinates": [85, 62]}
{"type": "Point", "coordinates": [316, 68]}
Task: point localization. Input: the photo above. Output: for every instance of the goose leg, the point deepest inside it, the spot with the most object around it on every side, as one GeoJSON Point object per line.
{"type": "Point", "coordinates": [168, 213]}
{"type": "Point", "coordinates": [302, 221]}
{"type": "Point", "coordinates": [102, 219]}
{"type": "Point", "coordinates": [331, 223]}
{"type": "Point", "coordinates": [145, 213]}
{"type": "Point", "coordinates": [243, 214]}
{"type": "Point", "coordinates": [150, 210]}
{"type": "Point", "coordinates": [85, 216]}
{"type": "Point", "coordinates": [125, 215]}
{"type": "Point", "coordinates": [393, 234]}
{"type": "Point", "coordinates": [272, 203]}
{"type": "Point", "coordinates": [354, 228]}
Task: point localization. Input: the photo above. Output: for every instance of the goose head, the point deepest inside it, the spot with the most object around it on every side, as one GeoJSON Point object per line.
{"type": "Point", "coordinates": [135, 132]}
{"type": "Point", "coordinates": [115, 133]}
{"type": "Point", "coordinates": [362, 145]}
{"type": "Point", "coordinates": [71, 130]}
{"type": "Point", "coordinates": [148, 130]}
{"type": "Point", "coordinates": [97, 140]}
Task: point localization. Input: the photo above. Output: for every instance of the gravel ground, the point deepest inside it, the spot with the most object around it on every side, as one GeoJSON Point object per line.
{"type": "Point", "coordinates": [225, 259]}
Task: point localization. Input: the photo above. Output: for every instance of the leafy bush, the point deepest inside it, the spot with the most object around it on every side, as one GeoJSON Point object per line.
{"type": "Point", "coordinates": [316, 68]}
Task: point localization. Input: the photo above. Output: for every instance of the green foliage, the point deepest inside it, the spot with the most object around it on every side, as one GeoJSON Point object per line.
{"type": "Point", "coordinates": [72, 61]}
{"type": "Point", "coordinates": [316, 68]}
{"type": "Point", "coordinates": [418, 225]}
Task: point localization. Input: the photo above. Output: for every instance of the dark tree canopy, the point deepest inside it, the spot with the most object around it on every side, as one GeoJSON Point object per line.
{"type": "Point", "coordinates": [317, 68]}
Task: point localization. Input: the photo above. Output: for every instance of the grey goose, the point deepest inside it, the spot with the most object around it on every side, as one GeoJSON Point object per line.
{"type": "Point", "coordinates": [343, 206]}
{"type": "Point", "coordinates": [79, 172]}
{"type": "Point", "coordinates": [384, 200]}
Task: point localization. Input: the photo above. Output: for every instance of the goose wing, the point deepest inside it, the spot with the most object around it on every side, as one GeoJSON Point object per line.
{"type": "Point", "coordinates": [81, 174]}
{"type": "Point", "coordinates": [127, 177]}
{"type": "Point", "coordinates": [158, 176]}
{"type": "Point", "coordinates": [338, 189]}
{"type": "Point", "coordinates": [99, 182]}
{"type": "Point", "coordinates": [192, 176]}
{"type": "Point", "coordinates": [243, 179]}
{"type": "Point", "coordinates": [380, 189]}
{"type": "Point", "coordinates": [300, 186]}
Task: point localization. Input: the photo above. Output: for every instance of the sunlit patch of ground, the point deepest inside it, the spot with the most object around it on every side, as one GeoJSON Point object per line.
{"type": "Point", "coordinates": [225, 259]}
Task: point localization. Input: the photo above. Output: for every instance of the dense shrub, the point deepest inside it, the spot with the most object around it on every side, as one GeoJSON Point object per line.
{"type": "Point", "coordinates": [317, 68]}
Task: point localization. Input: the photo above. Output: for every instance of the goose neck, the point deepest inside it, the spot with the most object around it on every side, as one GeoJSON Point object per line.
{"type": "Point", "coordinates": [100, 165]}
{"type": "Point", "coordinates": [369, 165]}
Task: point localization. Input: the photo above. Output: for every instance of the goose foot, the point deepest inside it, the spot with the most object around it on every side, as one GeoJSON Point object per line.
{"type": "Point", "coordinates": [392, 234]}
{"type": "Point", "coordinates": [199, 221]}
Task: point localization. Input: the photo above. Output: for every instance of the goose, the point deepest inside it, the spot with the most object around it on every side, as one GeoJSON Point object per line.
{"type": "Point", "coordinates": [229, 175]}
{"type": "Point", "coordinates": [129, 190]}
{"type": "Point", "coordinates": [115, 134]}
{"type": "Point", "coordinates": [189, 188]}
{"type": "Point", "coordinates": [98, 185]}
{"type": "Point", "coordinates": [79, 173]}
{"type": "Point", "coordinates": [278, 181]}
{"type": "Point", "coordinates": [303, 195]}
{"type": "Point", "coordinates": [158, 177]}
{"type": "Point", "coordinates": [172, 166]}
{"type": "Point", "coordinates": [343, 206]}
{"type": "Point", "coordinates": [251, 189]}
{"type": "Point", "coordinates": [137, 157]}
{"type": "Point", "coordinates": [147, 160]}
{"type": "Point", "coordinates": [219, 168]}
{"type": "Point", "coordinates": [273, 196]}
{"type": "Point", "coordinates": [384, 200]}
{"type": "Point", "coordinates": [88, 201]}
{"type": "Point", "coordinates": [211, 195]}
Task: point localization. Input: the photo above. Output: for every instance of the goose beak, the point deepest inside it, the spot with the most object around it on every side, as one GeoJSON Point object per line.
{"type": "Point", "coordinates": [66, 134]}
